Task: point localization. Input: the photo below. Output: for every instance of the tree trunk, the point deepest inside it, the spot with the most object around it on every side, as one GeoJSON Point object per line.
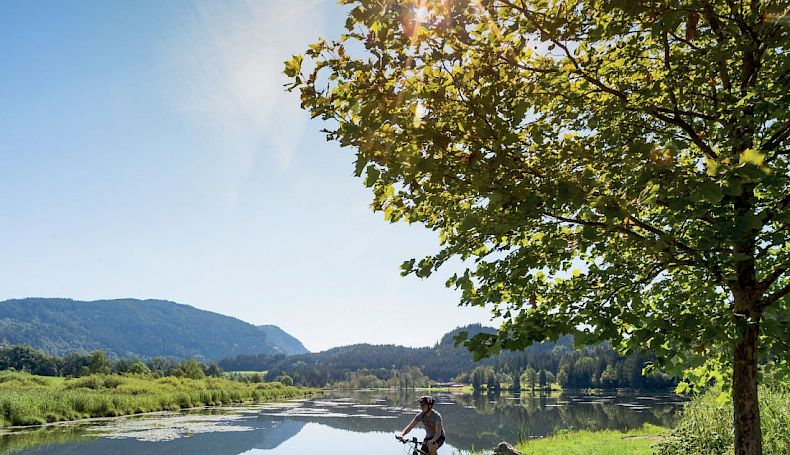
{"type": "Point", "coordinates": [748, 435]}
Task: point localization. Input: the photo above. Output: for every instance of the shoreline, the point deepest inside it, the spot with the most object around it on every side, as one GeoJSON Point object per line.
{"type": "Point", "coordinates": [28, 401]}
{"type": "Point", "coordinates": [10, 430]}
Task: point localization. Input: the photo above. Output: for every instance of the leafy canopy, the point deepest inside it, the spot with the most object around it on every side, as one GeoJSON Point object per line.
{"type": "Point", "coordinates": [611, 168]}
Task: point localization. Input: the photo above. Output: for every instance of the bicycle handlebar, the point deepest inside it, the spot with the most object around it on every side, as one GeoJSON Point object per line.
{"type": "Point", "coordinates": [413, 440]}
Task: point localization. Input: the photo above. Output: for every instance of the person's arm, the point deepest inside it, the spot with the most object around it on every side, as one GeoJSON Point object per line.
{"type": "Point", "coordinates": [408, 428]}
{"type": "Point", "coordinates": [439, 432]}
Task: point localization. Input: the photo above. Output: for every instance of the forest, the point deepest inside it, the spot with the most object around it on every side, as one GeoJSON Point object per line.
{"type": "Point", "coordinates": [541, 366]}
{"type": "Point", "coordinates": [365, 365]}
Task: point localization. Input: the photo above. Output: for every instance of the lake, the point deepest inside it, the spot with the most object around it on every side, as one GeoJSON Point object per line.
{"type": "Point", "coordinates": [351, 422]}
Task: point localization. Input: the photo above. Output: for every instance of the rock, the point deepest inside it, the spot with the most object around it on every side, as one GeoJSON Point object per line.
{"type": "Point", "coordinates": [506, 449]}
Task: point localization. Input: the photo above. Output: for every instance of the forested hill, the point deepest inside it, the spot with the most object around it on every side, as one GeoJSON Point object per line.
{"type": "Point", "coordinates": [279, 337]}
{"type": "Point", "coordinates": [130, 327]}
{"type": "Point", "coordinates": [366, 365]}
{"type": "Point", "coordinates": [441, 361]}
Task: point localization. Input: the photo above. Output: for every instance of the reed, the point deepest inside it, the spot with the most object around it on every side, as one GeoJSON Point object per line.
{"type": "Point", "coordinates": [34, 400]}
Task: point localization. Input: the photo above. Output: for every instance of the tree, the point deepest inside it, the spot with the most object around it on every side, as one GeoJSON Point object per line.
{"type": "Point", "coordinates": [492, 384]}
{"type": "Point", "coordinates": [550, 379]}
{"type": "Point", "coordinates": [139, 368]}
{"type": "Point", "coordinates": [27, 358]}
{"type": "Point", "coordinates": [516, 383]}
{"type": "Point", "coordinates": [613, 168]}
{"type": "Point", "coordinates": [563, 378]}
{"type": "Point", "coordinates": [608, 377]}
{"type": "Point", "coordinates": [192, 369]}
{"type": "Point", "coordinates": [74, 364]}
{"type": "Point", "coordinates": [213, 370]}
{"type": "Point", "coordinates": [479, 377]}
{"type": "Point", "coordinates": [530, 378]}
{"type": "Point", "coordinates": [286, 380]}
{"type": "Point", "coordinates": [98, 363]}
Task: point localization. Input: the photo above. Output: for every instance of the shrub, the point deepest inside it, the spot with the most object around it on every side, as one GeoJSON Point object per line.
{"type": "Point", "coordinates": [113, 381]}
{"type": "Point", "coordinates": [22, 379]}
{"type": "Point", "coordinates": [93, 382]}
{"type": "Point", "coordinates": [140, 369]}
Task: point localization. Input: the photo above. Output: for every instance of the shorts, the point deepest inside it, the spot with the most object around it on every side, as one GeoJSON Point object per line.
{"type": "Point", "coordinates": [439, 443]}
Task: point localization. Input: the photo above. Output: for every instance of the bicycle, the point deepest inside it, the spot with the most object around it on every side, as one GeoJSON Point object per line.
{"type": "Point", "coordinates": [415, 443]}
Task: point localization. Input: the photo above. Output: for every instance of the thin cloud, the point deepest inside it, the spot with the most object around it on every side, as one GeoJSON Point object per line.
{"type": "Point", "coordinates": [226, 63]}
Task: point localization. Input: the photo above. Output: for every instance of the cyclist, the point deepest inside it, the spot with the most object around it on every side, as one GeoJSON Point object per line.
{"type": "Point", "coordinates": [432, 421]}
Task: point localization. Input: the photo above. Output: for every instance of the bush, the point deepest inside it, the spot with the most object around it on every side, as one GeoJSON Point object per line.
{"type": "Point", "coordinates": [706, 425]}
{"type": "Point", "coordinates": [286, 380]}
{"type": "Point", "coordinates": [113, 381]}
{"type": "Point", "coordinates": [21, 379]}
{"type": "Point", "coordinates": [93, 382]}
{"type": "Point", "coordinates": [140, 369]}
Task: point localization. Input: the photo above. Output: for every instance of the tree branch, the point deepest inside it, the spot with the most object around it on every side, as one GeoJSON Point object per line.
{"type": "Point", "coordinates": [654, 111]}
{"type": "Point", "coordinates": [715, 25]}
{"type": "Point", "coordinates": [768, 300]}
{"type": "Point", "coordinates": [661, 233]}
{"type": "Point", "coordinates": [776, 139]}
{"type": "Point", "coordinates": [769, 216]}
{"type": "Point", "coordinates": [769, 280]}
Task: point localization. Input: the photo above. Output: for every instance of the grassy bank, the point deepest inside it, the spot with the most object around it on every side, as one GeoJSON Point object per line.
{"type": "Point", "coordinates": [35, 400]}
{"type": "Point", "coordinates": [706, 425]}
{"type": "Point", "coordinates": [605, 442]}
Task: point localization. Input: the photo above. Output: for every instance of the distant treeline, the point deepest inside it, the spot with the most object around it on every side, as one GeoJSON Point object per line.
{"type": "Point", "coordinates": [371, 366]}
{"type": "Point", "coordinates": [539, 366]}
{"type": "Point", "coordinates": [34, 361]}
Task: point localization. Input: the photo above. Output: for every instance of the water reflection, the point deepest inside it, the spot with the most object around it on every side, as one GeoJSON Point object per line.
{"type": "Point", "coordinates": [346, 422]}
{"type": "Point", "coordinates": [482, 421]}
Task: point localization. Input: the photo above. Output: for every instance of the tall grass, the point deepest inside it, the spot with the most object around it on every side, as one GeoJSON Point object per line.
{"type": "Point", "coordinates": [706, 427]}
{"type": "Point", "coordinates": [34, 400]}
{"type": "Point", "coordinates": [637, 441]}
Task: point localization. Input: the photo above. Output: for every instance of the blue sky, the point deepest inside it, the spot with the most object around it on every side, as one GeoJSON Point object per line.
{"type": "Point", "coordinates": [148, 149]}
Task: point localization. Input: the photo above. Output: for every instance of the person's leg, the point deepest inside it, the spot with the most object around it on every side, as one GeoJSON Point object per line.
{"type": "Point", "coordinates": [433, 448]}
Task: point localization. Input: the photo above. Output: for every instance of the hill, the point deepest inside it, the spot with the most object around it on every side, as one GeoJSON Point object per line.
{"type": "Point", "coordinates": [383, 365]}
{"type": "Point", "coordinates": [131, 327]}
{"type": "Point", "coordinates": [287, 343]}
{"type": "Point", "coordinates": [441, 361]}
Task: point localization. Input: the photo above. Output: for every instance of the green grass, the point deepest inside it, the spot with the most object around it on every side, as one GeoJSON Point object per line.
{"type": "Point", "coordinates": [706, 425]}
{"type": "Point", "coordinates": [603, 442]}
{"type": "Point", "coordinates": [467, 389]}
{"type": "Point", "coordinates": [35, 400]}
{"type": "Point", "coordinates": [245, 372]}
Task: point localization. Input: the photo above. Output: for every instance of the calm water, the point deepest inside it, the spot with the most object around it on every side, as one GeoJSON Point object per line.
{"type": "Point", "coordinates": [345, 423]}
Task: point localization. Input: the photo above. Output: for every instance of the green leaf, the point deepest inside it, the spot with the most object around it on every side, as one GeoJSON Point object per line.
{"type": "Point", "coordinates": [293, 66]}
{"type": "Point", "coordinates": [371, 176]}
{"type": "Point", "coordinates": [459, 338]}
{"type": "Point", "coordinates": [752, 156]}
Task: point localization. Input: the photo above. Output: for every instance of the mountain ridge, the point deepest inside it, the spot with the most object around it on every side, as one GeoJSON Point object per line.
{"type": "Point", "coordinates": [136, 327]}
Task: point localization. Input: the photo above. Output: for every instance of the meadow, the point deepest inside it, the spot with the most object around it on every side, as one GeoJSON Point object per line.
{"type": "Point", "coordinates": [26, 399]}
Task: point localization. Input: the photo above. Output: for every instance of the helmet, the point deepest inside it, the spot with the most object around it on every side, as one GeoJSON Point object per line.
{"type": "Point", "coordinates": [427, 399]}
